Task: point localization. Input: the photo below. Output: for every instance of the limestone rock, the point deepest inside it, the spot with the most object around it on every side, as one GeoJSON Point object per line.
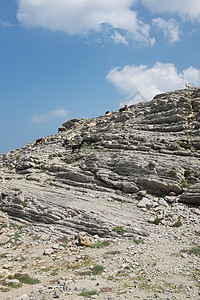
{"type": "Point", "coordinates": [145, 203]}
{"type": "Point", "coordinates": [191, 195]}
{"type": "Point", "coordinates": [83, 239]}
{"type": "Point", "coordinates": [4, 239]}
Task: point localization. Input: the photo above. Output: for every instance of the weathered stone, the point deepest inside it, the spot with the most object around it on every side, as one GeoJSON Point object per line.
{"type": "Point", "coordinates": [158, 187]}
{"type": "Point", "coordinates": [83, 239]}
{"type": "Point", "coordinates": [191, 195]}
{"type": "Point", "coordinates": [48, 251]}
{"type": "Point", "coordinates": [4, 239]}
{"type": "Point", "coordinates": [146, 203]}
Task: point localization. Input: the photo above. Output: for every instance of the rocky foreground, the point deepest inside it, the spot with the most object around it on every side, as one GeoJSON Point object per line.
{"type": "Point", "coordinates": [117, 219]}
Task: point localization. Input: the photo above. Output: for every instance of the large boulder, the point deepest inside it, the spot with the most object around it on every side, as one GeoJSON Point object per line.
{"type": "Point", "coordinates": [191, 195]}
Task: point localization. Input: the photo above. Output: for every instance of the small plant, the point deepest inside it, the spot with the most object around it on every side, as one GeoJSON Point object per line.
{"type": "Point", "coordinates": [100, 244]}
{"type": "Point", "coordinates": [177, 224]}
{"type": "Point", "coordinates": [4, 290]}
{"type": "Point", "coordinates": [25, 204]}
{"type": "Point", "coordinates": [97, 269]}
{"type": "Point", "coordinates": [172, 172]}
{"type": "Point", "coordinates": [49, 212]}
{"type": "Point", "coordinates": [192, 181]}
{"type": "Point", "coordinates": [26, 279]}
{"type": "Point", "coordinates": [14, 285]}
{"type": "Point", "coordinates": [195, 250]}
{"type": "Point", "coordinates": [54, 272]}
{"type": "Point", "coordinates": [187, 173]}
{"type": "Point", "coordinates": [3, 255]}
{"type": "Point", "coordinates": [119, 230]}
{"type": "Point", "coordinates": [139, 241]}
{"type": "Point", "coordinates": [157, 221]}
{"type": "Point", "coordinates": [184, 184]}
{"type": "Point", "coordinates": [69, 161]}
{"type": "Point", "coordinates": [184, 145]}
{"type": "Point", "coordinates": [86, 293]}
{"type": "Point", "coordinates": [18, 157]}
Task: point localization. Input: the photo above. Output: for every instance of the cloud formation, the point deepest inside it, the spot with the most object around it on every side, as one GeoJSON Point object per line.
{"type": "Point", "coordinates": [170, 29]}
{"type": "Point", "coordinates": [5, 23]}
{"type": "Point", "coordinates": [60, 112]}
{"type": "Point", "coordinates": [149, 81]}
{"type": "Point", "coordinates": [83, 16]}
{"type": "Point", "coordinates": [187, 9]}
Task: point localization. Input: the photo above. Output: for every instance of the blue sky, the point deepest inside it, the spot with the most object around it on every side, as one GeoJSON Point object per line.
{"type": "Point", "coordinates": [63, 59]}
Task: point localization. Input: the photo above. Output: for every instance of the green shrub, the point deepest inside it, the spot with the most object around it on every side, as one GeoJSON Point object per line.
{"type": "Point", "coordinates": [3, 255]}
{"type": "Point", "coordinates": [184, 184]}
{"type": "Point", "coordinates": [26, 279]}
{"type": "Point", "coordinates": [86, 293]}
{"type": "Point", "coordinates": [97, 269]}
{"type": "Point", "coordinates": [157, 221]}
{"type": "Point", "coordinates": [187, 173]}
{"type": "Point", "coordinates": [100, 244]}
{"type": "Point", "coordinates": [184, 145]}
{"type": "Point", "coordinates": [177, 224]}
{"type": "Point", "coordinates": [139, 241]}
{"type": "Point", "coordinates": [195, 250]}
{"type": "Point", "coordinates": [119, 230]}
{"type": "Point", "coordinates": [172, 172]}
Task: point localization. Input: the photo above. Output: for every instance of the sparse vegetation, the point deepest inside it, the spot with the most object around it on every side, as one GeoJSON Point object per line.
{"type": "Point", "coordinates": [87, 293]}
{"type": "Point", "coordinates": [187, 173]}
{"type": "Point", "coordinates": [26, 279]}
{"type": "Point", "coordinates": [172, 172]}
{"type": "Point", "coordinates": [139, 241]}
{"type": "Point", "coordinates": [97, 269]}
{"type": "Point", "coordinates": [195, 250]}
{"type": "Point", "coordinates": [25, 204]}
{"type": "Point", "coordinates": [184, 184]}
{"type": "Point", "coordinates": [100, 244]}
{"type": "Point", "coordinates": [3, 255]}
{"type": "Point", "coordinates": [177, 224]}
{"type": "Point", "coordinates": [119, 230]}
{"type": "Point", "coordinates": [157, 221]}
{"type": "Point", "coordinates": [184, 145]}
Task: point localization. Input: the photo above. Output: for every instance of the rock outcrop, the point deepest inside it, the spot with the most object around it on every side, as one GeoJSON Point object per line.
{"type": "Point", "coordinates": [133, 187]}
{"type": "Point", "coordinates": [153, 147]}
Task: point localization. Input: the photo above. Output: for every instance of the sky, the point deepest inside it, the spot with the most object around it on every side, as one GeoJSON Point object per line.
{"type": "Point", "coordinates": [63, 59]}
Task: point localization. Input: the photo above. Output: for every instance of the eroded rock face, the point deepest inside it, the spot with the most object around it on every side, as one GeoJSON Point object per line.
{"type": "Point", "coordinates": [191, 195]}
{"type": "Point", "coordinates": [151, 149]}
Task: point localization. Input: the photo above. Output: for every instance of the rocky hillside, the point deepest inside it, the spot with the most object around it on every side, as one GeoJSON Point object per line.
{"type": "Point", "coordinates": [136, 177]}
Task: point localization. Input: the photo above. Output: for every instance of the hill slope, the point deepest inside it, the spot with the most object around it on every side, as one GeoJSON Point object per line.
{"type": "Point", "coordinates": [136, 169]}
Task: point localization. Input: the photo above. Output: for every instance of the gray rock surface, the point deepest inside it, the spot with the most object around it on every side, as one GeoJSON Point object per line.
{"type": "Point", "coordinates": [135, 183]}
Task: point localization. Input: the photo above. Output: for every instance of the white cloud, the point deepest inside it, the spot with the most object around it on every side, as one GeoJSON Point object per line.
{"type": "Point", "coordinates": [188, 9]}
{"type": "Point", "coordinates": [84, 16]}
{"type": "Point", "coordinates": [170, 29]}
{"type": "Point", "coordinates": [118, 38]}
{"type": "Point", "coordinates": [5, 23]}
{"type": "Point", "coordinates": [60, 112]}
{"type": "Point", "coordinates": [149, 81]}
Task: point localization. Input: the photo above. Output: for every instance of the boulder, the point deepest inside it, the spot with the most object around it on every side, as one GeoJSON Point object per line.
{"type": "Point", "coordinates": [191, 195]}
{"type": "Point", "coordinates": [83, 239]}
